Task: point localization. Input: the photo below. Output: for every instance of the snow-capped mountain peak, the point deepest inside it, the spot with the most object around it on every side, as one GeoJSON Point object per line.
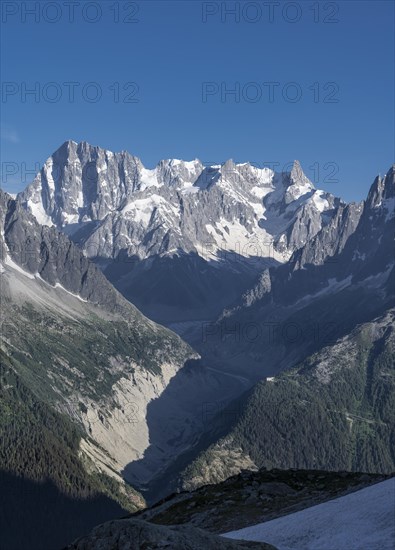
{"type": "Point", "coordinates": [137, 209]}
{"type": "Point", "coordinates": [298, 184]}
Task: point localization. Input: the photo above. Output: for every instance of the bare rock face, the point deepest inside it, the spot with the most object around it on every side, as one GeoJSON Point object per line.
{"type": "Point", "coordinates": [45, 251]}
{"type": "Point", "coordinates": [184, 224]}
{"type": "Point", "coordinates": [134, 534]}
{"type": "Point", "coordinates": [342, 276]}
{"type": "Point", "coordinates": [118, 202]}
{"type": "Point", "coordinates": [91, 353]}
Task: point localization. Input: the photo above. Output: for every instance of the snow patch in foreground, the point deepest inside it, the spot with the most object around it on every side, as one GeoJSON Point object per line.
{"type": "Point", "coordinates": [364, 520]}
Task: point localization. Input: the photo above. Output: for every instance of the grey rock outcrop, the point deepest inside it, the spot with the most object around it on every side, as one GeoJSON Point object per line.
{"type": "Point", "coordinates": [134, 534]}
{"type": "Point", "coordinates": [343, 276]}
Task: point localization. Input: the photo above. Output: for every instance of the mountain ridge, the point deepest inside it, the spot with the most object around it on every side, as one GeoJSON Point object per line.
{"type": "Point", "coordinates": [219, 222]}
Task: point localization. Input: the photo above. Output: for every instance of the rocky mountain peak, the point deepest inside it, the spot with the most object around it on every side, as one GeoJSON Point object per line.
{"type": "Point", "coordinates": [383, 189]}
{"type": "Point", "coordinates": [296, 183]}
{"type": "Point", "coordinates": [228, 166]}
{"type": "Point", "coordinates": [297, 176]}
{"type": "Point", "coordinates": [68, 147]}
{"type": "Point", "coordinates": [219, 214]}
{"type": "Point", "coordinates": [175, 172]}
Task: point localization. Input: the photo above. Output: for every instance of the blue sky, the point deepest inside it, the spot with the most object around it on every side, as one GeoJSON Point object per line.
{"type": "Point", "coordinates": [331, 105]}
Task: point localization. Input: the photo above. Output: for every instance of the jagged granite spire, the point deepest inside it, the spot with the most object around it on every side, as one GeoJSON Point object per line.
{"type": "Point", "coordinates": [382, 189]}
{"type": "Point", "coordinates": [297, 176]}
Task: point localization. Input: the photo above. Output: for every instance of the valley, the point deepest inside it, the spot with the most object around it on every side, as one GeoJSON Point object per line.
{"type": "Point", "coordinates": [266, 343]}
